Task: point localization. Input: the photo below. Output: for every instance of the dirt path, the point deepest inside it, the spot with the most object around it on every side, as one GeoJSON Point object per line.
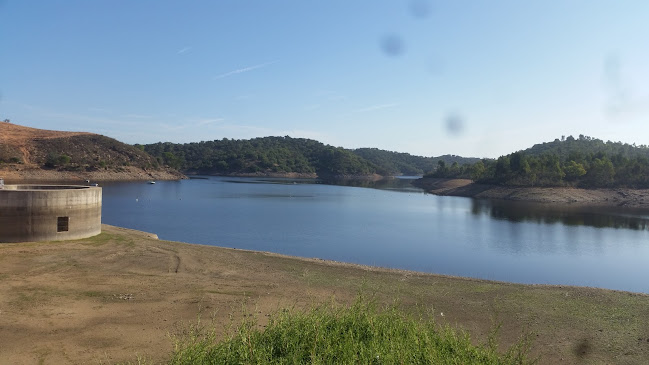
{"type": "Point", "coordinates": [27, 158]}
{"type": "Point", "coordinates": [121, 294]}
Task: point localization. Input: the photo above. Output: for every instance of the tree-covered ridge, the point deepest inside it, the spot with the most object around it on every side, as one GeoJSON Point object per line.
{"type": "Point", "coordinates": [398, 163]}
{"type": "Point", "coordinates": [582, 162]}
{"type": "Point", "coordinates": [269, 155]}
{"type": "Point", "coordinates": [278, 155]}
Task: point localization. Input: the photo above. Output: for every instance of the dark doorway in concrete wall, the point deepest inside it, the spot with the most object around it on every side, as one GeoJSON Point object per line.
{"type": "Point", "coordinates": [62, 224]}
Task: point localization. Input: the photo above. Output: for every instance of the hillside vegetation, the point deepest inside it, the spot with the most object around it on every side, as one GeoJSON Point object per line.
{"type": "Point", "coordinates": [396, 163]}
{"type": "Point", "coordinates": [581, 162]}
{"type": "Point", "coordinates": [280, 155]}
{"type": "Point", "coordinates": [23, 148]}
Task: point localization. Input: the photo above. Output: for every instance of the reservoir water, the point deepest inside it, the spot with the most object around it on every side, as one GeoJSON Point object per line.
{"type": "Point", "coordinates": [392, 224]}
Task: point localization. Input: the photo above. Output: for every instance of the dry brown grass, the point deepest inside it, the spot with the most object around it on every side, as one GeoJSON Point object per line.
{"type": "Point", "coordinates": [119, 295]}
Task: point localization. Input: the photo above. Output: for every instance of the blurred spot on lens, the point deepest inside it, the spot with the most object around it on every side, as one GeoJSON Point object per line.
{"type": "Point", "coordinates": [420, 8]}
{"type": "Point", "coordinates": [392, 45]}
{"type": "Point", "coordinates": [454, 124]}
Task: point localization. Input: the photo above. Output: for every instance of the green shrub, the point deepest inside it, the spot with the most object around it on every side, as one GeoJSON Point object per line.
{"type": "Point", "coordinates": [64, 160]}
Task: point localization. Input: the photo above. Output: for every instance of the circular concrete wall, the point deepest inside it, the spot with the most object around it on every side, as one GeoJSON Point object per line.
{"type": "Point", "coordinates": [49, 212]}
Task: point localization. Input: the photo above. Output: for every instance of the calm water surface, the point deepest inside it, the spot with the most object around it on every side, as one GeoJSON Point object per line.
{"type": "Point", "coordinates": [394, 225]}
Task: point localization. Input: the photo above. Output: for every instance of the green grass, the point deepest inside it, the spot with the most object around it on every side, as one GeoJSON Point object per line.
{"type": "Point", "coordinates": [104, 238]}
{"type": "Point", "coordinates": [329, 334]}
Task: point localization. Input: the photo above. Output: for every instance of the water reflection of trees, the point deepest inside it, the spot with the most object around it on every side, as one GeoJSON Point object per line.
{"type": "Point", "coordinates": [599, 217]}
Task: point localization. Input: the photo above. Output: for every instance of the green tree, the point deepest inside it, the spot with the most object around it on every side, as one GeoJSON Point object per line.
{"type": "Point", "coordinates": [503, 169]}
{"type": "Point", "coordinates": [574, 170]}
{"type": "Point", "coordinates": [441, 167]}
{"type": "Point", "coordinates": [601, 173]}
{"type": "Point", "coordinates": [477, 171]}
{"type": "Point", "coordinates": [171, 160]}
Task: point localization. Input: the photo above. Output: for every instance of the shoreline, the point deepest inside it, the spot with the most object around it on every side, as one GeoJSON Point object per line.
{"type": "Point", "coordinates": [293, 175]}
{"type": "Point", "coordinates": [122, 294]}
{"type": "Point", "coordinates": [614, 197]}
{"type": "Point", "coordinates": [125, 173]}
{"type": "Point", "coordinates": [21, 173]}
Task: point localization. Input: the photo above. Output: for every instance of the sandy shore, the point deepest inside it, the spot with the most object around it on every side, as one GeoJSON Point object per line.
{"type": "Point", "coordinates": [603, 197]}
{"type": "Point", "coordinates": [121, 295]}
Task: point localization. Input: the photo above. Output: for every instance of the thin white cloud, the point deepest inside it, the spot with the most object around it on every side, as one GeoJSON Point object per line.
{"type": "Point", "coordinates": [329, 95]}
{"type": "Point", "coordinates": [98, 110]}
{"type": "Point", "coordinates": [137, 116]}
{"type": "Point", "coordinates": [209, 121]}
{"type": "Point", "coordinates": [87, 121]}
{"type": "Point", "coordinates": [376, 107]}
{"type": "Point", "coordinates": [184, 50]}
{"type": "Point", "coordinates": [193, 123]}
{"type": "Point", "coordinates": [242, 70]}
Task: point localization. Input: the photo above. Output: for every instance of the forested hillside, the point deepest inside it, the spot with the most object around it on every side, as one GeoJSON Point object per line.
{"type": "Point", "coordinates": [396, 163]}
{"type": "Point", "coordinates": [268, 155]}
{"type": "Point", "coordinates": [582, 162]}
{"type": "Point", "coordinates": [278, 155]}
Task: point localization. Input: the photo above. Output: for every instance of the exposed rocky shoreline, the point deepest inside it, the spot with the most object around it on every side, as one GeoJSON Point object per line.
{"type": "Point", "coordinates": [638, 198]}
{"type": "Point", "coordinates": [127, 173]}
{"type": "Point", "coordinates": [295, 175]}
{"type": "Point", "coordinates": [21, 173]}
{"type": "Point", "coordinates": [288, 175]}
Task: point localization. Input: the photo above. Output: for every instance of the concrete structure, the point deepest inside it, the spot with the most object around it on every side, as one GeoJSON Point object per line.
{"type": "Point", "coordinates": [49, 212]}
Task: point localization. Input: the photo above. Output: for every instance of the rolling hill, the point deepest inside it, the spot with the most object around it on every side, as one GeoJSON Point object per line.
{"type": "Point", "coordinates": [37, 154]}
{"type": "Point", "coordinates": [286, 155]}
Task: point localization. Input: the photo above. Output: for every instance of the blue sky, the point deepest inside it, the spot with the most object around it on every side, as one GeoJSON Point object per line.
{"type": "Point", "coordinates": [474, 78]}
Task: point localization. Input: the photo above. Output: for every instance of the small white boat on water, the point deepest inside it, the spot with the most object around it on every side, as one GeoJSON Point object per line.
{"type": "Point", "coordinates": [151, 182]}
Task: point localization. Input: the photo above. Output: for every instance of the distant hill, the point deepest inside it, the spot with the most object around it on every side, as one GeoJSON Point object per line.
{"type": "Point", "coordinates": [581, 162]}
{"type": "Point", "coordinates": [568, 148]}
{"type": "Point", "coordinates": [399, 163]}
{"type": "Point", "coordinates": [264, 156]}
{"type": "Point", "coordinates": [24, 150]}
{"type": "Point", "coordinates": [286, 155]}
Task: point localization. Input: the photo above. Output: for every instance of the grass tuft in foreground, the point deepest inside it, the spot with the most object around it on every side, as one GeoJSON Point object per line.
{"type": "Point", "coordinates": [360, 334]}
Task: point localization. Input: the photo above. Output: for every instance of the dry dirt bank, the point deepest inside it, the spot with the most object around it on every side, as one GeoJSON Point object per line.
{"type": "Point", "coordinates": [17, 173]}
{"type": "Point", "coordinates": [287, 175]}
{"type": "Point", "coordinates": [118, 295]}
{"type": "Point", "coordinates": [603, 197]}
{"type": "Point", "coordinates": [296, 175]}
